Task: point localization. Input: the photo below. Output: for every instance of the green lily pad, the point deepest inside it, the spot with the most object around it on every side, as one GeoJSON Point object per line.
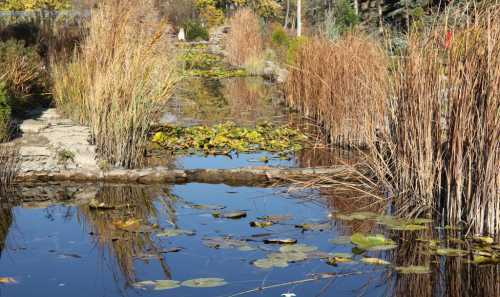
{"type": "Point", "coordinates": [375, 242]}
{"type": "Point", "coordinates": [268, 263]}
{"type": "Point", "coordinates": [175, 232]}
{"type": "Point", "coordinates": [413, 269]}
{"type": "Point", "coordinates": [337, 260]}
{"type": "Point", "coordinates": [204, 283]}
{"type": "Point", "coordinates": [143, 284]}
{"type": "Point", "coordinates": [298, 248]}
{"type": "Point", "coordinates": [276, 218]}
{"type": "Point", "coordinates": [375, 261]}
{"type": "Point", "coordinates": [341, 240]}
{"type": "Point", "coordinates": [289, 256]}
{"type": "Point", "coordinates": [224, 243]}
{"type": "Point", "coordinates": [451, 252]}
{"type": "Point", "coordinates": [261, 224]}
{"type": "Point", "coordinates": [230, 215]}
{"type": "Point", "coordinates": [166, 284]}
{"type": "Point", "coordinates": [359, 216]}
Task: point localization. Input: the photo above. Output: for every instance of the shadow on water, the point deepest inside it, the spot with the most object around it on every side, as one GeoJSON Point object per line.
{"type": "Point", "coordinates": [95, 240]}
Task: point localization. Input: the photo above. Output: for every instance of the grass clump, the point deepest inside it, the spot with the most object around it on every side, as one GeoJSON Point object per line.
{"type": "Point", "coordinates": [225, 138]}
{"type": "Point", "coordinates": [244, 41]}
{"type": "Point", "coordinates": [120, 80]}
{"type": "Point", "coordinates": [195, 31]}
{"type": "Point", "coordinates": [341, 84]}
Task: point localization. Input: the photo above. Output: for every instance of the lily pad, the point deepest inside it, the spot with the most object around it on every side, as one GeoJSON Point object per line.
{"type": "Point", "coordinates": [7, 280]}
{"type": "Point", "coordinates": [360, 216]}
{"type": "Point", "coordinates": [276, 218]}
{"type": "Point", "coordinates": [413, 269]}
{"type": "Point", "coordinates": [268, 263]}
{"type": "Point", "coordinates": [204, 283]}
{"type": "Point", "coordinates": [261, 224]}
{"type": "Point", "coordinates": [280, 241]}
{"type": "Point", "coordinates": [375, 261]}
{"type": "Point", "coordinates": [230, 215]}
{"type": "Point", "coordinates": [451, 252]}
{"type": "Point", "coordinates": [143, 284]}
{"type": "Point", "coordinates": [166, 284]}
{"type": "Point", "coordinates": [336, 260]}
{"type": "Point", "coordinates": [298, 248]}
{"type": "Point", "coordinates": [375, 242]}
{"type": "Point", "coordinates": [206, 206]}
{"type": "Point", "coordinates": [224, 242]}
{"type": "Point", "coordinates": [289, 256]}
{"type": "Point", "coordinates": [341, 240]}
{"type": "Point", "coordinates": [175, 232]}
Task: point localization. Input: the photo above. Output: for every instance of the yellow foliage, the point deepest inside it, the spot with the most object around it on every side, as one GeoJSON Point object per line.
{"type": "Point", "coordinates": [34, 4]}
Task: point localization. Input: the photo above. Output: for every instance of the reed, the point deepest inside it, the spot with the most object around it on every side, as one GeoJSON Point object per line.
{"type": "Point", "coordinates": [244, 42]}
{"type": "Point", "coordinates": [440, 150]}
{"type": "Point", "coordinates": [342, 85]}
{"type": "Point", "coordinates": [120, 79]}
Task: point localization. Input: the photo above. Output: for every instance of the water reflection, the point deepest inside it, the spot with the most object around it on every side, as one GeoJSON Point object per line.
{"type": "Point", "coordinates": [119, 205]}
{"type": "Point", "coordinates": [243, 100]}
{"type": "Point", "coordinates": [119, 243]}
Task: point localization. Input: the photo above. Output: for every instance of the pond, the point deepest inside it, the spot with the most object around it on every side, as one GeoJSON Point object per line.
{"type": "Point", "coordinates": [103, 240]}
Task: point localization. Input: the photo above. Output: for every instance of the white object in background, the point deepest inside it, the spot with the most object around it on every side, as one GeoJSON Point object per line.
{"type": "Point", "coordinates": [288, 295]}
{"type": "Point", "coordinates": [182, 35]}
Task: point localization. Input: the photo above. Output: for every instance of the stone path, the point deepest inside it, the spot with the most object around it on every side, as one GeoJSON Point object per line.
{"type": "Point", "coordinates": [50, 142]}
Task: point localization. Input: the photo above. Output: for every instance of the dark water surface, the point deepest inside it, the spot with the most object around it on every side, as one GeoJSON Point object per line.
{"type": "Point", "coordinates": [66, 248]}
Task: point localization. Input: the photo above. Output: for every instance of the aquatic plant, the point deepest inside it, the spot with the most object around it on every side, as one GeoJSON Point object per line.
{"type": "Point", "coordinates": [120, 79]}
{"type": "Point", "coordinates": [440, 149]}
{"type": "Point", "coordinates": [226, 138]}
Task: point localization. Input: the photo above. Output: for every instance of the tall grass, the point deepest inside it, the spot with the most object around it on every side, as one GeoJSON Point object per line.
{"type": "Point", "coordinates": [119, 80]}
{"type": "Point", "coordinates": [441, 148]}
{"type": "Point", "coordinates": [342, 84]}
{"type": "Point", "coordinates": [244, 42]}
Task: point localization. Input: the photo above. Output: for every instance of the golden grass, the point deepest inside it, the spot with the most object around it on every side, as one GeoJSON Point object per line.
{"type": "Point", "coordinates": [119, 80]}
{"type": "Point", "coordinates": [244, 42]}
{"type": "Point", "coordinates": [343, 85]}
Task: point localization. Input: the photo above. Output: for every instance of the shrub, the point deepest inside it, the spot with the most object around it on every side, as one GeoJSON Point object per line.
{"type": "Point", "coordinates": [4, 113]}
{"type": "Point", "coordinates": [195, 31]}
{"type": "Point", "coordinates": [25, 77]}
{"type": "Point", "coordinates": [341, 84]}
{"type": "Point", "coordinates": [244, 41]}
{"type": "Point", "coordinates": [120, 80]}
{"type": "Point", "coordinates": [280, 37]}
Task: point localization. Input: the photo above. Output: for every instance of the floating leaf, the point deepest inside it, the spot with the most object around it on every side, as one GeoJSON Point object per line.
{"type": "Point", "coordinates": [204, 283]}
{"type": "Point", "coordinates": [314, 227]}
{"type": "Point", "coordinates": [484, 239]}
{"type": "Point", "coordinates": [289, 256]}
{"type": "Point", "coordinates": [230, 215]}
{"type": "Point", "coordinates": [375, 242]}
{"type": "Point", "coordinates": [341, 240]}
{"type": "Point", "coordinates": [336, 260]}
{"type": "Point", "coordinates": [7, 280]}
{"type": "Point", "coordinates": [224, 242]}
{"type": "Point", "coordinates": [343, 255]}
{"type": "Point", "coordinates": [206, 206]}
{"type": "Point", "coordinates": [451, 252]}
{"type": "Point", "coordinates": [280, 241]}
{"type": "Point", "coordinates": [360, 216]}
{"type": "Point", "coordinates": [166, 284]}
{"type": "Point", "coordinates": [261, 224]}
{"type": "Point", "coordinates": [144, 284]}
{"type": "Point", "coordinates": [95, 204]}
{"type": "Point", "coordinates": [130, 225]}
{"type": "Point", "coordinates": [302, 248]}
{"type": "Point", "coordinates": [413, 269]}
{"type": "Point", "coordinates": [276, 218]}
{"type": "Point", "coordinates": [375, 261]}
{"type": "Point", "coordinates": [268, 263]}
{"type": "Point", "coordinates": [175, 232]}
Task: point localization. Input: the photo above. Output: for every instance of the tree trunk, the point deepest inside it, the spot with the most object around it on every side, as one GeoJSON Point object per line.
{"type": "Point", "coordinates": [299, 18]}
{"type": "Point", "coordinates": [287, 16]}
{"type": "Point", "coordinates": [356, 7]}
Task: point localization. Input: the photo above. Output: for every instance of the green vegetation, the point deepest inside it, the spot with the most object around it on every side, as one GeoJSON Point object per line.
{"type": "Point", "coordinates": [227, 138]}
{"type": "Point", "coordinates": [198, 62]}
{"type": "Point", "coordinates": [195, 31]}
{"type": "Point", "coordinates": [19, 5]}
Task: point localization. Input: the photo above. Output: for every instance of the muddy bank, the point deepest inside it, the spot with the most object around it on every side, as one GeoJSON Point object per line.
{"type": "Point", "coordinates": [159, 175]}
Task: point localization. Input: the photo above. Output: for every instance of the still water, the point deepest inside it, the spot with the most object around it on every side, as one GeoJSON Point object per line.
{"type": "Point", "coordinates": [95, 240]}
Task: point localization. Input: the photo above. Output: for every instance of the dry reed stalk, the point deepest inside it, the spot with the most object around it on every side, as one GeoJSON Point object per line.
{"type": "Point", "coordinates": [9, 166]}
{"type": "Point", "coordinates": [120, 80]}
{"type": "Point", "coordinates": [441, 148]}
{"type": "Point", "coordinates": [343, 85]}
{"type": "Point", "coordinates": [244, 42]}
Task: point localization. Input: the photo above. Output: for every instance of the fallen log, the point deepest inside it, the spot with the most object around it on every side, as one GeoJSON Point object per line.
{"type": "Point", "coordinates": [161, 175]}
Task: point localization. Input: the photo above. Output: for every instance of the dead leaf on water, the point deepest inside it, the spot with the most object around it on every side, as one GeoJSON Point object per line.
{"type": "Point", "coordinates": [375, 261]}
{"type": "Point", "coordinates": [175, 232]}
{"type": "Point", "coordinates": [166, 284]}
{"type": "Point", "coordinates": [230, 215]}
{"type": "Point", "coordinates": [7, 280]}
{"type": "Point", "coordinates": [204, 283]}
{"type": "Point", "coordinates": [280, 241]}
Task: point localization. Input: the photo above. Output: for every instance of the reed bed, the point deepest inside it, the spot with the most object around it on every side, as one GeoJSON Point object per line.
{"type": "Point", "coordinates": [440, 150]}
{"type": "Point", "coordinates": [244, 43]}
{"type": "Point", "coordinates": [9, 166]}
{"type": "Point", "coordinates": [343, 85]}
{"type": "Point", "coordinates": [119, 80]}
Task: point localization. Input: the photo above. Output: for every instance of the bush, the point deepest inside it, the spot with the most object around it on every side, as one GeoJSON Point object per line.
{"type": "Point", "coordinates": [25, 77]}
{"type": "Point", "coordinates": [244, 41]}
{"type": "Point", "coordinates": [195, 31]}
{"type": "Point", "coordinates": [119, 82]}
{"type": "Point", "coordinates": [4, 113]}
{"type": "Point", "coordinates": [280, 37]}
